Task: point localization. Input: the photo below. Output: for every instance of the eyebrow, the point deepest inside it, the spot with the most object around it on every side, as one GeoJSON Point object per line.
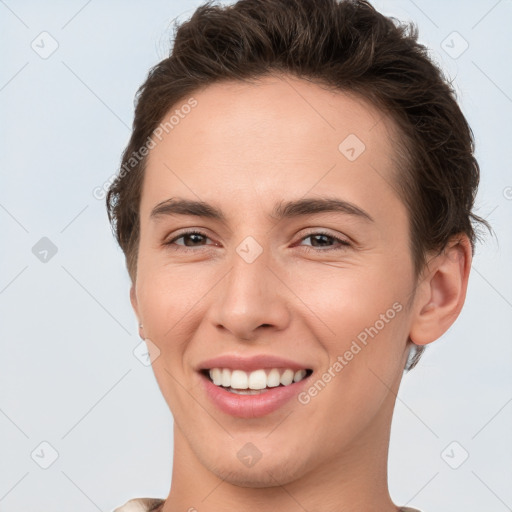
{"type": "Point", "coordinates": [282, 210]}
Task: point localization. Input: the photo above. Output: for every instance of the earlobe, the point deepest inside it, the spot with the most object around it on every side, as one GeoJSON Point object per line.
{"type": "Point", "coordinates": [442, 291]}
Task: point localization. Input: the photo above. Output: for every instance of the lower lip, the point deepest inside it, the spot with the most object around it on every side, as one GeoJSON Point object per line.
{"type": "Point", "coordinates": [251, 406]}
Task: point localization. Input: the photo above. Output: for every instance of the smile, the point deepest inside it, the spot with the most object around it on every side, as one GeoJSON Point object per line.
{"type": "Point", "coordinates": [255, 382]}
{"type": "Point", "coordinates": [253, 394]}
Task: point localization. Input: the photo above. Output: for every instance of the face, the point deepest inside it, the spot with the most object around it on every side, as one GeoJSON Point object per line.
{"type": "Point", "coordinates": [295, 264]}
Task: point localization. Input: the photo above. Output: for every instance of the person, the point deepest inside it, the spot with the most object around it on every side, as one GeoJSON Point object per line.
{"type": "Point", "coordinates": [295, 209]}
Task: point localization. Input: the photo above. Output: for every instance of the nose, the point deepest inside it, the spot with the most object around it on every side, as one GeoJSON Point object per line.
{"type": "Point", "coordinates": [251, 300]}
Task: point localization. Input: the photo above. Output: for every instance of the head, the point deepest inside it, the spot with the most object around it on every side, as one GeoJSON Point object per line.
{"type": "Point", "coordinates": [328, 172]}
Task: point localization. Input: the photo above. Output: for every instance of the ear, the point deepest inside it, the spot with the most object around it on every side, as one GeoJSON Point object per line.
{"type": "Point", "coordinates": [441, 291]}
{"type": "Point", "coordinates": [135, 306]}
{"type": "Point", "coordinates": [133, 300]}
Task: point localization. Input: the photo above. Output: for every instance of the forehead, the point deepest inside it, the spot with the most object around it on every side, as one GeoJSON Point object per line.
{"type": "Point", "coordinates": [277, 137]}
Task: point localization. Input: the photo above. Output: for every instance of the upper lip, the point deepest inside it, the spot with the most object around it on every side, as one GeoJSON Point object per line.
{"type": "Point", "coordinates": [256, 362]}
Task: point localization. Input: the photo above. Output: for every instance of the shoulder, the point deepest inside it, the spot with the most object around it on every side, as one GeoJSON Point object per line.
{"type": "Point", "coordinates": [150, 504]}
{"type": "Point", "coordinates": [140, 505]}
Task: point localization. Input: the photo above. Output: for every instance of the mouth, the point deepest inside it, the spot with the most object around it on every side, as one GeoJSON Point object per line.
{"type": "Point", "coordinates": [256, 382]}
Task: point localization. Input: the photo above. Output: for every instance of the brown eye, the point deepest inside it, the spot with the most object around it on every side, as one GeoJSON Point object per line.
{"type": "Point", "coordinates": [191, 239]}
{"type": "Point", "coordinates": [188, 239]}
{"type": "Point", "coordinates": [324, 240]}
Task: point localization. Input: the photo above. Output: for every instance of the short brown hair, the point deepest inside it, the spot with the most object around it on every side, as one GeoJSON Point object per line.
{"type": "Point", "coordinates": [345, 45]}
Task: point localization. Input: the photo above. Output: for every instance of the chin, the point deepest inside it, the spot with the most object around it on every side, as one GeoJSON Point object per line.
{"type": "Point", "coordinates": [263, 474]}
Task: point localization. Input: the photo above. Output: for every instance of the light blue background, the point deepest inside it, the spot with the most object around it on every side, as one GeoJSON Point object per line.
{"type": "Point", "coordinates": [67, 332]}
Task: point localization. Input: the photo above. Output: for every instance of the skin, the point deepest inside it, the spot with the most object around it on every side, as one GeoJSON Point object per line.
{"type": "Point", "coordinates": [244, 148]}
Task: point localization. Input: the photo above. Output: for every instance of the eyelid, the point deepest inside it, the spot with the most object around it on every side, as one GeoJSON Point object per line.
{"type": "Point", "coordinates": [343, 241]}
{"type": "Point", "coordinates": [187, 231]}
{"type": "Point", "coordinates": [326, 232]}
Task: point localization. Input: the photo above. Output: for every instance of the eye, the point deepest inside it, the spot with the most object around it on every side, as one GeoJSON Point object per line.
{"type": "Point", "coordinates": [325, 242]}
{"type": "Point", "coordinates": [320, 241]}
{"type": "Point", "coordinates": [188, 239]}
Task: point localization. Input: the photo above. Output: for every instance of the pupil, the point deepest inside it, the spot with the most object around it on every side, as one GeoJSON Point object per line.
{"type": "Point", "coordinates": [194, 237]}
{"type": "Point", "coordinates": [322, 243]}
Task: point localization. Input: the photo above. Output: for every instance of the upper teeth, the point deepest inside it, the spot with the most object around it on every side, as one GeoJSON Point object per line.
{"type": "Point", "coordinates": [259, 379]}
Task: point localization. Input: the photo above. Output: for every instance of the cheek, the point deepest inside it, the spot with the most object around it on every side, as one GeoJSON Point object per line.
{"type": "Point", "coordinates": [173, 300]}
{"type": "Point", "coordinates": [347, 299]}
{"type": "Point", "coordinates": [365, 360]}
{"type": "Point", "coordinates": [361, 322]}
{"type": "Point", "coordinates": [166, 293]}
{"type": "Point", "coordinates": [167, 301]}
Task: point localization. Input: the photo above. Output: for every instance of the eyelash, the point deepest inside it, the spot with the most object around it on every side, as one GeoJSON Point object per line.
{"type": "Point", "coordinates": [343, 244]}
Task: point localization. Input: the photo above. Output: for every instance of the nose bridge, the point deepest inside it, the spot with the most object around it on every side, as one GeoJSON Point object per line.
{"type": "Point", "coordinates": [250, 295]}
